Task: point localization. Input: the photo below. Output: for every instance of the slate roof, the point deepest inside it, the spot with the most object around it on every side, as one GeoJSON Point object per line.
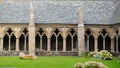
{"type": "Point", "coordinates": [64, 12]}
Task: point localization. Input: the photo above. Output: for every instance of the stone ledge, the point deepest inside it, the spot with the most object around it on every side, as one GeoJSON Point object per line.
{"type": "Point", "coordinates": [39, 53]}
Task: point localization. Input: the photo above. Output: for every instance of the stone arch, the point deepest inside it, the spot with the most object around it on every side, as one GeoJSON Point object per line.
{"type": "Point", "coordinates": [37, 29]}
{"type": "Point", "coordinates": [89, 40]}
{"type": "Point", "coordinates": [6, 28]}
{"type": "Point", "coordinates": [56, 39]}
{"type": "Point", "coordinates": [104, 40]}
{"type": "Point", "coordinates": [41, 39]}
{"type": "Point", "coordinates": [71, 40]}
{"type": "Point", "coordinates": [106, 29]}
{"type": "Point", "coordinates": [70, 30]}
{"type": "Point", "coordinates": [9, 39]}
{"type": "Point", "coordinates": [52, 31]}
{"type": "Point", "coordinates": [23, 39]}
{"type": "Point", "coordinates": [90, 30]}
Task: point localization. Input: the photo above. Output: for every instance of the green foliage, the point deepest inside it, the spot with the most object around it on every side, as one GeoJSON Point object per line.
{"type": "Point", "coordinates": [105, 55]}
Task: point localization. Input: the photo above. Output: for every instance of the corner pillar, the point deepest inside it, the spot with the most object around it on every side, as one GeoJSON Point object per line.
{"type": "Point", "coordinates": [31, 31]}
{"type": "Point", "coordinates": [81, 32]}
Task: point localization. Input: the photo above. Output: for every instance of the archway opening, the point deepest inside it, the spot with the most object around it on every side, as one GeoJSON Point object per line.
{"type": "Point", "coordinates": [53, 42]}
{"type": "Point", "coordinates": [71, 40]}
{"type": "Point", "coordinates": [23, 40]}
{"type": "Point", "coordinates": [91, 43]}
{"type": "Point", "coordinates": [68, 45]}
{"type": "Point", "coordinates": [6, 42]}
{"type": "Point", "coordinates": [13, 42]}
{"type": "Point", "coordinates": [107, 43]}
{"type": "Point", "coordinates": [41, 40]}
{"type": "Point", "coordinates": [75, 43]}
{"type": "Point", "coordinates": [21, 44]}
{"type": "Point", "coordinates": [89, 40]}
{"type": "Point", "coordinates": [44, 42]}
{"type": "Point", "coordinates": [100, 43]}
{"type": "Point", "coordinates": [119, 44]}
{"type": "Point", "coordinates": [9, 41]}
{"type": "Point", "coordinates": [60, 43]}
{"type": "Point", "coordinates": [37, 42]}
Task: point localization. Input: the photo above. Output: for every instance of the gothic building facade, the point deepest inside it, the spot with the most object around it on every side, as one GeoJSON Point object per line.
{"type": "Point", "coordinates": [59, 27]}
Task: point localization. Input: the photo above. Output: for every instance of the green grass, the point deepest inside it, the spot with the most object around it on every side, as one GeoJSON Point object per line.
{"type": "Point", "coordinates": [52, 62]}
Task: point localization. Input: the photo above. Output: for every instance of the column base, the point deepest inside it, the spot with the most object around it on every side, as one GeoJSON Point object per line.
{"type": "Point", "coordinates": [112, 51]}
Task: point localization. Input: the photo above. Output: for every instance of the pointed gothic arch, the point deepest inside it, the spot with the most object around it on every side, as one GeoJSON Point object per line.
{"type": "Point", "coordinates": [56, 40]}
{"type": "Point", "coordinates": [104, 40]}
{"type": "Point", "coordinates": [41, 40]}
{"type": "Point", "coordinates": [9, 40]}
{"type": "Point", "coordinates": [23, 39]}
{"type": "Point", "coordinates": [89, 40]}
{"type": "Point", "coordinates": [71, 40]}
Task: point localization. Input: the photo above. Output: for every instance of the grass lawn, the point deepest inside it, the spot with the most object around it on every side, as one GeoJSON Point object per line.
{"type": "Point", "coordinates": [52, 62]}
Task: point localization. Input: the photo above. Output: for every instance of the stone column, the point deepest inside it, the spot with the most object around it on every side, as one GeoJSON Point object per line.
{"type": "Point", "coordinates": [56, 43]}
{"type": "Point", "coordinates": [9, 47]}
{"type": "Point", "coordinates": [116, 44]}
{"type": "Point", "coordinates": [1, 44]}
{"type": "Point", "coordinates": [48, 44]}
{"type": "Point", "coordinates": [64, 44]}
{"type": "Point", "coordinates": [96, 44]}
{"type": "Point", "coordinates": [17, 44]}
{"type": "Point", "coordinates": [64, 31]}
{"type": "Point", "coordinates": [96, 34]}
{"type": "Point", "coordinates": [17, 30]}
{"type": "Point", "coordinates": [103, 43]}
{"type": "Point", "coordinates": [81, 32]}
{"type": "Point", "coordinates": [112, 45]}
{"type": "Point", "coordinates": [31, 32]}
{"type": "Point", "coordinates": [72, 43]}
{"type": "Point", "coordinates": [87, 43]}
{"type": "Point", "coordinates": [25, 43]}
{"type": "Point", "coordinates": [40, 43]}
{"type": "Point", "coordinates": [48, 33]}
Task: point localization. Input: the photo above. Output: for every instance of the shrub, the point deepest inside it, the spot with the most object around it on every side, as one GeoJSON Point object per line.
{"type": "Point", "coordinates": [90, 64]}
{"type": "Point", "coordinates": [90, 54]}
{"type": "Point", "coordinates": [105, 55]}
{"type": "Point", "coordinates": [93, 64]}
{"type": "Point", "coordinates": [97, 56]}
{"type": "Point", "coordinates": [78, 65]}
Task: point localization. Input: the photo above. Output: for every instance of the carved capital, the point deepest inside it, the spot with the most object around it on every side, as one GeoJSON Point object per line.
{"type": "Point", "coordinates": [64, 32]}
{"type": "Point", "coordinates": [48, 32]}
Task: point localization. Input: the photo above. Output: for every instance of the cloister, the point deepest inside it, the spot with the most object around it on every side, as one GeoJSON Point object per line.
{"type": "Point", "coordinates": [63, 38]}
{"type": "Point", "coordinates": [59, 28]}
